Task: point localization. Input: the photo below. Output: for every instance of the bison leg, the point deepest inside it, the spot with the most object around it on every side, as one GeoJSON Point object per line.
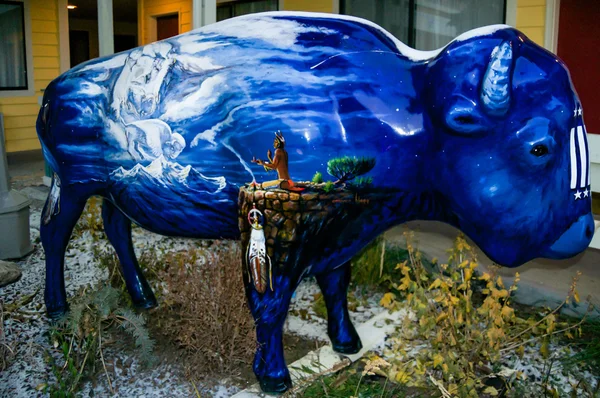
{"type": "Point", "coordinates": [334, 286]}
{"type": "Point", "coordinates": [118, 230]}
{"type": "Point", "coordinates": [55, 231]}
{"type": "Point", "coordinates": [269, 311]}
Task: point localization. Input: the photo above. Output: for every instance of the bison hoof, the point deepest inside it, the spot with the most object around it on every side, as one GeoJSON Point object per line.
{"type": "Point", "coordinates": [57, 313]}
{"type": "Point", "coordinates": [146, 304]}
{"type": "Point", "coordinates": [348, 348]}
{"type": "Point", "coordinates": [271, 385]}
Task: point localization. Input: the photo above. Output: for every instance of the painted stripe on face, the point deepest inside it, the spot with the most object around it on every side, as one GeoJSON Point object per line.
{"type": "Point", "coordinates": [583, 156]}
{"type": "Point", "coordinates": [587, 152]}
{"type": "Point", "coordinates": [573, 161]}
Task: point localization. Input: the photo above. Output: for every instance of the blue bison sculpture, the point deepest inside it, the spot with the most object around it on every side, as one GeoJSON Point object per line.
{"type": "Point", "coordinates": [486, 134]}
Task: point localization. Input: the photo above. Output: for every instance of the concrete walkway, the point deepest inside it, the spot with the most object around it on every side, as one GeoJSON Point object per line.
{"type": "Point", "coordinates": [543, 282]}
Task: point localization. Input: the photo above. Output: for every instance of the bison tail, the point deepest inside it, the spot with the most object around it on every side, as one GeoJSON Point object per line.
{"type": "Point", "coordinates": [44, 129]}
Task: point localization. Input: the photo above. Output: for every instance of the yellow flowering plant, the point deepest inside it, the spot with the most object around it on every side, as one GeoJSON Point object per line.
{"type": "Point", "coordinates": [464, 324]}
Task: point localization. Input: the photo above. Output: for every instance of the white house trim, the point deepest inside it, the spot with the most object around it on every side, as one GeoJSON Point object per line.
{"type": "Point", "coordinates": [204, 12]}
{"type": "Point", "coordinates": [63, 36]}
{"type": "Point", "coordinates": [511, 13]}
{"type": "Point", "coordinates": [335, 7]}
{"type": "Point", "coordinates": [551, 31]}
{"type": "Point", "coordinates": [106, 31]}
{"type": "Point", "coordinates": [28, 57]}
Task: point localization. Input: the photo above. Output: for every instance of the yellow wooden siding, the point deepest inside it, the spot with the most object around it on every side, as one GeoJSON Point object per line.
{"type": "Point", "coordinates": [20, 113]}
{"type": "Point", "coordinates": [153, 8]}
{"type": "Point", "coordinates": [308, 5]}
{"type": "Point", "coordinates": [531, 19]}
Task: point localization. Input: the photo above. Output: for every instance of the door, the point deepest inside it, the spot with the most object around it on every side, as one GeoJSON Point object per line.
{"type": "Point", "coordinates": [79, 46]}
{"type": "Point", "coordinates": [167, 26]}
{"type": "Point", "coordinates": [579, 47]}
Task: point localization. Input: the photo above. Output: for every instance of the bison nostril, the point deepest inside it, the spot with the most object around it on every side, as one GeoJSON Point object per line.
{"type": "Point", "coordinates": [589, 232]}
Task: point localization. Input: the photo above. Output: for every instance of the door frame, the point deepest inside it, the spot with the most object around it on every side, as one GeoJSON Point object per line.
{"type": "Point", "coordinates": [150, 24]}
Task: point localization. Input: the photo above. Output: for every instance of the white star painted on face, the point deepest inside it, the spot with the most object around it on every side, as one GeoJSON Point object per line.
{"type": "Point", "coordinates": [577, 195]}
{"type": "Point", "coordinates": [579, 111]}
{"type": "Point", "coordinates": [585, 193]}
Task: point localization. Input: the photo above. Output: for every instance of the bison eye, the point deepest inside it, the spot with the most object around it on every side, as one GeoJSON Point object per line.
{"type": "Point", "coordinates": [539, 150]}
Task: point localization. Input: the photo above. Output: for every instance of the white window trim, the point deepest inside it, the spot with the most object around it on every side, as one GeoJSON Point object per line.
{"type": "Point", "coordinates": [28, 58]}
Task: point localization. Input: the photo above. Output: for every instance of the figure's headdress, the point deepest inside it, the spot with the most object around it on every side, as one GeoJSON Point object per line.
{"type": "Point", "coordinates": [279, 137]}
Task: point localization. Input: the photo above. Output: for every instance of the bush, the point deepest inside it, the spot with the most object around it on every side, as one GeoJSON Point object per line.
{"type": "Point", "coordinates": [347, 168]}
{"type": "Point", "coordinates": [317, 178]}
{"type": "Point", "coordinates": [362, 183]}
{"type": "Point", "coordinates": [376, 265]}
{"type": "Point", "coordinates": [205, 310]}
{"type": "Point", "coordinates": [328, 187]}
{"type": "Point", "coordinates": [464, 334]}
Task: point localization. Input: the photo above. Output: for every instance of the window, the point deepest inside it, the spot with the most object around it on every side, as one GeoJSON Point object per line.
{"type": "Point", "coordinates": [232, 9]}
{"type": "Point", "coordinates": [13, 66]}
{"type": "Point", "coordinates": [427, 24]}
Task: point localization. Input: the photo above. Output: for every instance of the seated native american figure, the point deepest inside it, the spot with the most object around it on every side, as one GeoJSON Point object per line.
{"type": "Point", "coordinates": [278, 163]}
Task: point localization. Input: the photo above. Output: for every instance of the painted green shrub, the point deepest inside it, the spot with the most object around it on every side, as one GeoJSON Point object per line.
{"type": "Point", "coordinates": [348, 168]}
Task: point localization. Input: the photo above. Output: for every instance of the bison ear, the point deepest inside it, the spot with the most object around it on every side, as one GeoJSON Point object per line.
{"type": "Point", "coordinates": [463, 117]}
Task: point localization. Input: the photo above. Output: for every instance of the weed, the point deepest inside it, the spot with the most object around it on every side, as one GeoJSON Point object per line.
{"type": "Point", "coordinates": [363, 379]}
{"type": "Point", "coordinates": [7, 350]}
{"type": "Point", "coordinates": [320, 309]}
{"type": "Point", "coordinates": [77, 339]}
{"type": "Point", "coordinates": [375, 265]}
{"type": "Point", "coordinates": [91, 220]}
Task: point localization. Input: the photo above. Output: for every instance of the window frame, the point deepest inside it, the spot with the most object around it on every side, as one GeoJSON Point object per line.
{"type": "Point", "coordinates": [29, 90]}
{"type": "Point", "coordinates": [509, 5]}
{"type": "Point", "coordinates": [231, 3]}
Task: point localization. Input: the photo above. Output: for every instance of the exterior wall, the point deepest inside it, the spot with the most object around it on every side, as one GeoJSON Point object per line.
{"type": "Point", "coordinates": [531, 19]}
{"type": "Point", "coordinates": [20, 113]}
{"type": "Point", "coordinates": [150, 9]}
{"type": "Point", "coordinates": [304, 5]}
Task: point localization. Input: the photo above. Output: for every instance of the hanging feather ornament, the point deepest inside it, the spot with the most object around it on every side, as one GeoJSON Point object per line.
{"type": "Point", "coordinates": [259, 263]}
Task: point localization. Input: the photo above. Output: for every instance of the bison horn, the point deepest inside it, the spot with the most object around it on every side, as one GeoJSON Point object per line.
{"type": "Point", "coordinates": [495, 93]}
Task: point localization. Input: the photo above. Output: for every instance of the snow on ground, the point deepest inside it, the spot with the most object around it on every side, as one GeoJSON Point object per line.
{"type": "Point", "coordinates": [316, 327]}
{"type": "Point", "coordinates": [29, 369]}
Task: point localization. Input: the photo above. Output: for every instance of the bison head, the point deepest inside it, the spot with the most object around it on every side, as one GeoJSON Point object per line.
{"type": "Point", "coordinates": [510, 149]}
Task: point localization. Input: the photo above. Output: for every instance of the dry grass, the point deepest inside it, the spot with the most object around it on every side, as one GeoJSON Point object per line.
{"type": "Point", "coordinates": [204, 309]}
{"type": "Point", "coordinates": [6, 349]}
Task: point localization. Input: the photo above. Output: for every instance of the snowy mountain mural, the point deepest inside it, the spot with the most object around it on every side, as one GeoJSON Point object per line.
{"type": "Point", "coordinates": [169, 175]}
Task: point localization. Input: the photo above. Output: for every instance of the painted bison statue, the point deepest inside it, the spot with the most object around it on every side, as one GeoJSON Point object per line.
{"type": "Point", "coordinates": [485, 134]}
